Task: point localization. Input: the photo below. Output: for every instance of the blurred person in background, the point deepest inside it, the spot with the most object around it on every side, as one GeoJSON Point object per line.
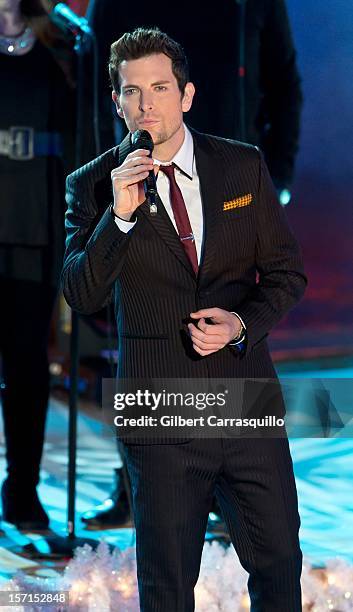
{"type": "Point", "coordinates": [258, 101]}
{"type": "Point", "coordinates": [36, 138]}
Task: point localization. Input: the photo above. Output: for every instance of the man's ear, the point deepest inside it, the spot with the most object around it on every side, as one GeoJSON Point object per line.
{"type": "Point", "coordinates": [188, 96]}
{"type": "Point", "coordinates": [116, 100]}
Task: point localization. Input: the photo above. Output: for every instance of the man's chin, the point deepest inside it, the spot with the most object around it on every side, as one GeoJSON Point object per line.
{"type": "Point", "coordinates": [158, 137]}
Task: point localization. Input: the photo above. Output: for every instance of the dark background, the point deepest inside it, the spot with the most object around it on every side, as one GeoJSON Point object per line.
{"type": "Point", "coordinates": [322, 209]}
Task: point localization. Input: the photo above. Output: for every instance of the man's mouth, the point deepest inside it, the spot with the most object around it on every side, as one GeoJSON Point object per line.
{"type": "Point", "coordinates": [148, 122]}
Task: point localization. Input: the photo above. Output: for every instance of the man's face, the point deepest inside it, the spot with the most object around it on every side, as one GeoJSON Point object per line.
{"type": "Point", "coordinates": [150, 98]}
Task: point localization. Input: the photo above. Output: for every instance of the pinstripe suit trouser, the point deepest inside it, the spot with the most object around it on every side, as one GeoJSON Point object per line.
{"type": "Point", "coordinates": [173, 486]}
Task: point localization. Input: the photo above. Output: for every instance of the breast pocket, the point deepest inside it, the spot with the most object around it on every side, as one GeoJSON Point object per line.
{"type": "Point", "coordinates": [238, 213]}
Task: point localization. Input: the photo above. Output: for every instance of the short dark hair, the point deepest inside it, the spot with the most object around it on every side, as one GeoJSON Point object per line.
{"type": "Point", "coordinates": [143, 42]}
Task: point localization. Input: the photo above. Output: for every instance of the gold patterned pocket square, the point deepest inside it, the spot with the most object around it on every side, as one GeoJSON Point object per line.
{"type": "Point", "coordinates": [238, 202]}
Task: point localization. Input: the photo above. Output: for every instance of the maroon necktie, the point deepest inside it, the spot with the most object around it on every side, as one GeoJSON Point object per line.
{"type": "Point", "coordinates": [181, 217]}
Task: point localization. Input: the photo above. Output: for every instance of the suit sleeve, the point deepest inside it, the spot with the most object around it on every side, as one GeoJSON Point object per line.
{"type": "Point", "coordinates": [95, 249]}
{"type": "Point", "coordinates": [281, 279]}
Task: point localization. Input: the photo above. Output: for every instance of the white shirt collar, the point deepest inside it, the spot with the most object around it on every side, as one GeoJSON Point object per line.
{"type": "Point", "coordinates": [184, 158]}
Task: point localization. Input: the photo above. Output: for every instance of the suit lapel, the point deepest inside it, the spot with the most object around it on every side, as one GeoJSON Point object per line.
{"type": "Point", "coordinates": [123, 149]}
{"type": "Point", "coordinates": [164, 227]}
{"type": "Point", "coordinates": [210, 172]}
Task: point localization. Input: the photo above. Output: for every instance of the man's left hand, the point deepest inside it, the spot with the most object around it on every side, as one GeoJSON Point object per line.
{"type": "Point", "coordinates": [209, 338]}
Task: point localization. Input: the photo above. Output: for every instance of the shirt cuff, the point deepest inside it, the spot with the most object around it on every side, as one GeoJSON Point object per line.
{"type": "Point", "coordinates": [124, 226]}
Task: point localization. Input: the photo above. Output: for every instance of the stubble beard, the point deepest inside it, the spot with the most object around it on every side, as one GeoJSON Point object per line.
{"type": "Point", "coordinates": [165, 135]}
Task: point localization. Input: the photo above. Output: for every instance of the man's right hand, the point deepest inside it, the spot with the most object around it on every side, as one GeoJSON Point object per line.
{"type": "Point", "coordinates": [127, 181]}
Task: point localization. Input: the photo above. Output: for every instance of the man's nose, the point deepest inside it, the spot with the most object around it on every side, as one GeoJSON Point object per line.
{"type": "Point", "coordinates": [146, 101]}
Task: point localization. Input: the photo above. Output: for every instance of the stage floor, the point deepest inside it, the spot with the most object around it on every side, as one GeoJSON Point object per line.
{"type": "Point", "coordinates": [323, 470]}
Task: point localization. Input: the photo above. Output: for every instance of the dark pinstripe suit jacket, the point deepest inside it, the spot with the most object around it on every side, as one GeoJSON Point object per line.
{"type": "Point", "coordinates": [151, 279]}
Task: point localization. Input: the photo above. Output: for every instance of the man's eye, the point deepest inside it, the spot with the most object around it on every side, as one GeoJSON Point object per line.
{"type": "Point", "coordinates": [129, 92]}
{"type": "Point", "coordinates": [161, 88]}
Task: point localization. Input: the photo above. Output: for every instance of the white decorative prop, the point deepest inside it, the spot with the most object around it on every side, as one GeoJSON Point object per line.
{"type": "Point", "coordinates": [100, 581]}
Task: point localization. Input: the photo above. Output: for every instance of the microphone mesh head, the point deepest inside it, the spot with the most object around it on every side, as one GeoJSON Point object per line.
{"type": "Point", "coordinates": [141, 139]}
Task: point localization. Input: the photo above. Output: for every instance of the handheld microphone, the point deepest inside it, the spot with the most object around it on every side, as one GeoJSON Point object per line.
{"type": "Point", "coordinates": [65, 18]}
{"type": "Point", "coordinates": [141, 139]}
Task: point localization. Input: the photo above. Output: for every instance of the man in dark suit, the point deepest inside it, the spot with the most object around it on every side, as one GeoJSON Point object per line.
{"type": "Point", "coordinates": [189, 305]}
{"type": "Point", "coordinates": [249, 45]}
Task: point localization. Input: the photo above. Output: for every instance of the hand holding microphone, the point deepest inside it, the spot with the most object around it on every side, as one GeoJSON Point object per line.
{"type": "Point", "coordinates": [134, 180]}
